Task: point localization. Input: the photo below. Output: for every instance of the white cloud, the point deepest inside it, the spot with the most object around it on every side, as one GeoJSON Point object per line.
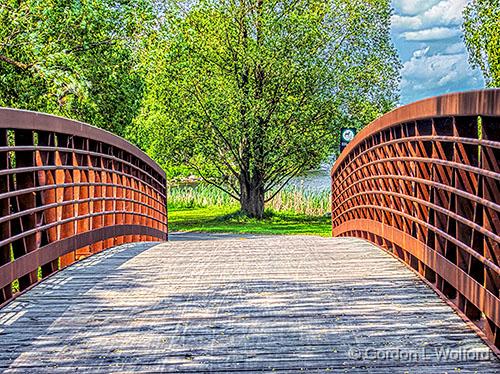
{"type": "Point", "coordinates": [405, 23]}
{"type": "Point", "coordinates": [427, 34]}
{"type": "Point", "coordinates": [435, 33]}
{"type": "Point", "coordinates": [412, 7]}
{"type": "Point", "coordinates": [424, 71]}
{"type": "Point", "coordinates": [444, 13]}
{"type": "Point", "coordinates": [448, 12]}
{"type": "Point", "coordinates": [421, 52]}
{"type": "Point", "coordinates": [455, 48]}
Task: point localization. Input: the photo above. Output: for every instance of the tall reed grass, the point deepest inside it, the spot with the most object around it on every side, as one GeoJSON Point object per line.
{"type": "Point", "coordinates": [290, 199]}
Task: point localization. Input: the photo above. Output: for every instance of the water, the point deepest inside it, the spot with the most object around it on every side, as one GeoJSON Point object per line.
{"type": "Point", "coordinates": [315, 180]}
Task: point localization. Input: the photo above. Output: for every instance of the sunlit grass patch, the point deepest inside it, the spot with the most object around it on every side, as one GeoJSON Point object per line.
{"type": "Point", "coordinates": [229, 219]}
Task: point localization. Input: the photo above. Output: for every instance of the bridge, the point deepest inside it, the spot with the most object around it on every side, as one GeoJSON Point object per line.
{"type": "Point", "coordinates": [409, 282]}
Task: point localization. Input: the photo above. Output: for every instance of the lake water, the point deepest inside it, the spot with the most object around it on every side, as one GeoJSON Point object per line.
{"type": "Point", "coordinates": [315, 180]}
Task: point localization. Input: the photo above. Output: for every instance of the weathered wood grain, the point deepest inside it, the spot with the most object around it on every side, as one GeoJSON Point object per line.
{"type": "Point", "coordinates": [228, 303]}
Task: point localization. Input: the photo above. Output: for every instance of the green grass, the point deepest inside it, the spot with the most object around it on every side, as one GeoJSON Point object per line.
{"type": "Point", "coordinates": [204, 208]}
{"type": "Point", "coordinates": [227, 219]}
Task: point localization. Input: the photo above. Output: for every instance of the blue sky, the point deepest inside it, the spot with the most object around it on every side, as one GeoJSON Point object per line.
{"type": "Point", "coordinates": [428, 36]}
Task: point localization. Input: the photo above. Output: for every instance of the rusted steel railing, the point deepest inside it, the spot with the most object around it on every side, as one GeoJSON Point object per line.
{"type": "Point", "coordinates": [68, 190]}
{"type": "Point", "coordinates": [423, 183]}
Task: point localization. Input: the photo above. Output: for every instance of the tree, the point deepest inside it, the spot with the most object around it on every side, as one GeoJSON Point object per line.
{"type": "Point", "coordinates": [482, 38]}
{"type": "Point", "coordinates": [250, 93]}
{"type": "Point", "coordinates": [73, 58]}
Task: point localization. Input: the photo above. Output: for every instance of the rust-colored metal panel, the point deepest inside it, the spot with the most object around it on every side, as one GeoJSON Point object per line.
{"type": "Point", "coordinates": [129, 205]}
{"type": "Point", "coordinates": [423, 182]}
{"type": "Point", "coordinates": [95, 193]}
{"type": "Point", "coordinates": [69, 191]}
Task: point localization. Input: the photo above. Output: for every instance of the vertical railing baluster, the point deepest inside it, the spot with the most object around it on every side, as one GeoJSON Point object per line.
{"type": "Point", "coordinates": [5, 231]}
{"type": "Point", "coordinates": [119, 218]}
{"type": "Point", "coordinates": [144, 209]}
{"type": "Point", "coordinates": [97, 194]}
{"type": "Point", "coordinates": [68, 210]}
{"type": "Point", "coordinates": [82, 208]}
{"type": "Point", "coordinates": [128, 194]}
{"type": "Point", "coordinates": [467, 154]}
{"type": "Point", "coordinates": [137, 199]}
{"type": "Point", "coordinates": [109, 205]}
{"type": "Point", "coordinates": [49, 196]}
{"type": "Point", "coordinates": [24, 180]}
{"type": "Point", "coordinates": [442, 198]}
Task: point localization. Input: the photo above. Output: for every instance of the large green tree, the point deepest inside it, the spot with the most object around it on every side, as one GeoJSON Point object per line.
{"type": "Point", "coordinates": [249, 93]}
{"type": "Point", "coordinates": [76, 58]}
{"type": "Point", "coordinates": [482, 38]}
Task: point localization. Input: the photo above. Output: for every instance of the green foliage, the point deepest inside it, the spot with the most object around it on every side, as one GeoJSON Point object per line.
{"type": "Point", "coordinates": [74, 58]}
{"type": "Point", "coordinates": [177, 172]}
{"type": "Point", "coordinates": [482, 38]}
{"type": "Point", "coordinates": [230, 220]}
{"type": "Point", "coordinates": [250, 93]}
{"type": "Point", "coordinates": [246, 93]}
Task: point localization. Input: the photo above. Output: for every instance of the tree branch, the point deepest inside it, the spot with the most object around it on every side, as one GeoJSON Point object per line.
{"type": "Point", "coordinates": [81, 48]}
{"type": "Point", "coordinates": [281, 174]}
{"type": "Point", "coordinates": [211, 182]}
{"type": "Point", "coordinates": [235, 190]}
{"type": "Point", "coordinates": [14, 63]}
{"type": "Point", "coordinates": [228, 144]}
{"type": "Point", "coordinates": [293, 174]}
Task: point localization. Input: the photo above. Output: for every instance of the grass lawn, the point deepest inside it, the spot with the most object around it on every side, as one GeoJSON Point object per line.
{"type": "Point", "coordinates": [227, 219]}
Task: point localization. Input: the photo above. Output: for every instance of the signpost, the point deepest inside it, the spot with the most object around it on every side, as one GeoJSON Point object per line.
{"type": "Point", "coordinates": [346, 135]}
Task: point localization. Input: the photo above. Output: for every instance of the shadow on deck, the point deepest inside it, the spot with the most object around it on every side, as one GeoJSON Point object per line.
{"type": "Point", "coordinates": [238, 303]}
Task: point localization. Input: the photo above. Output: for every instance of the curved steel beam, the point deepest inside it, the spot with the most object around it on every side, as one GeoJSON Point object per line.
{"type": "Point", "coordinates": [423, 183]}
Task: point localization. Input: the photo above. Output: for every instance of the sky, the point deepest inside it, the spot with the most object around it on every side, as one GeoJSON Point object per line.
{"type": "Point", "coordinates": [428, 37]}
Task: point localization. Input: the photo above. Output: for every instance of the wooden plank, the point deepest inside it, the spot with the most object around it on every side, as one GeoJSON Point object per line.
{"type": "Point", "coordinates": [238, 303]}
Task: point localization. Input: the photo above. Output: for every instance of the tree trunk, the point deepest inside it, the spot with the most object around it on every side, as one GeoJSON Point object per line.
{"type": "Point", "coordinates": [252, 199]}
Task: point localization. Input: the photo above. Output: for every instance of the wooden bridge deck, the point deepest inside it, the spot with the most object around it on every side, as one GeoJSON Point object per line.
{"type": "Point", "coordinates": [225, 303]}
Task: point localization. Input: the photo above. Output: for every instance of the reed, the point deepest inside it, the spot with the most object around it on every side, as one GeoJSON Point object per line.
{"type": "Point", "coordinates": [290, 199]}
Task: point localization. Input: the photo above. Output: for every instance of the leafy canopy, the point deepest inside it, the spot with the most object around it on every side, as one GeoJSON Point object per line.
{"type": "Point", "coordinates": [75, 58]}
{"type": "Point", "coordinates": [482, 38]}
{"type": "Point", "coordinates": [251, 92]}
